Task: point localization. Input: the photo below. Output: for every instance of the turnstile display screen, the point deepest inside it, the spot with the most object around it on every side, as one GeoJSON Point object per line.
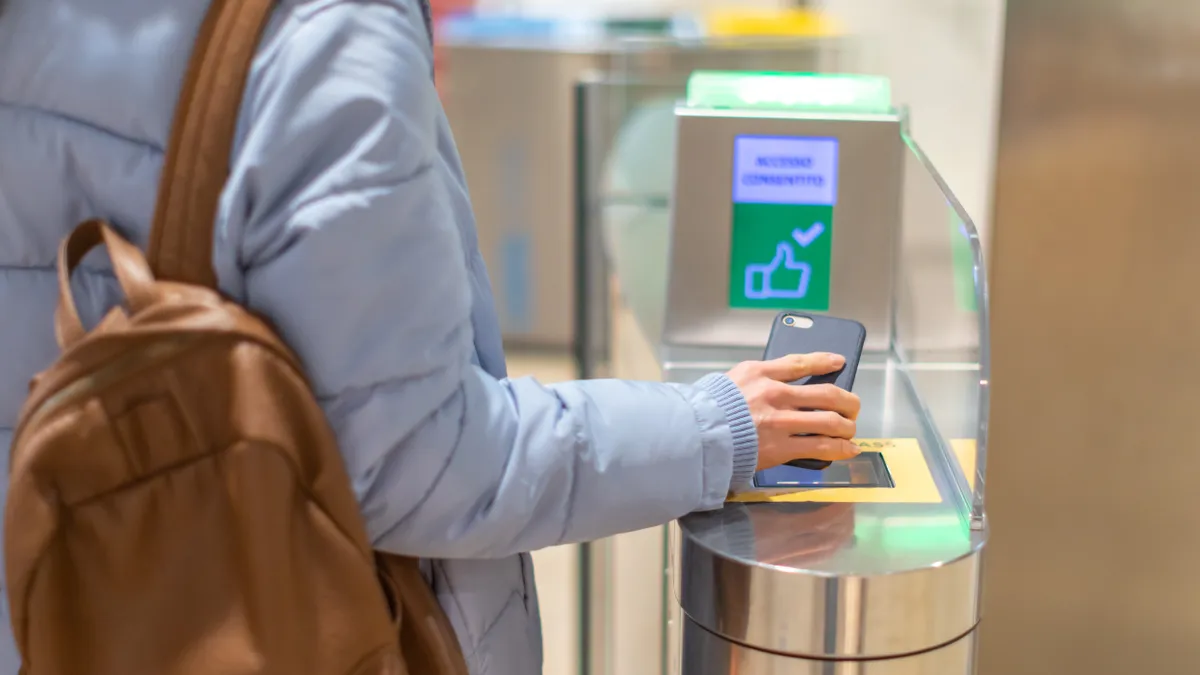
{"type": "Point", "coordinates": [781, 242]}
{"type": "Point", "coordinates": [868, 469]}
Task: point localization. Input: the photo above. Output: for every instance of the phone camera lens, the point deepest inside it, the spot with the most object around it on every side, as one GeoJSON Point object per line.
{"type": "Point", "coordinates": [789, 320]}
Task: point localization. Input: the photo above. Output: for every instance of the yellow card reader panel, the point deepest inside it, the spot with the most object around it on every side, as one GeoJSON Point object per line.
{"type": "Point", "coordinates": [912, 482]}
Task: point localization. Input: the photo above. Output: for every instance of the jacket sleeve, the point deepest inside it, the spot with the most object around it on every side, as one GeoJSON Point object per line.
{"type": "Point", "coordinates": [342, 219]}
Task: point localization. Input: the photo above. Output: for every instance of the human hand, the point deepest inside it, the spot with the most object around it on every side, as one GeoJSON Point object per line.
{"type": "Point", "coordinates": [782, 412]}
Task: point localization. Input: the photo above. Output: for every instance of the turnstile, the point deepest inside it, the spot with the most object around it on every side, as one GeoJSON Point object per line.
{"type": "Point", "coordinates": [806, 193]}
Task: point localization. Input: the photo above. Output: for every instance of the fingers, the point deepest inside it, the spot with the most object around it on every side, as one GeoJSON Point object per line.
{"type": "Point", "coordinates": [796, 366]}
{"type": "Point", "coordinates": [815, 422]}
{"type": "Point", "coordinates": [817, 397]}
{"type": "Point", "coordinates": [820, 447]}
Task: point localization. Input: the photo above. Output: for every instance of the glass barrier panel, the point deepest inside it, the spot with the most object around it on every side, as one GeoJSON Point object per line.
{"type": "Point", "coordinates": [940, 314]}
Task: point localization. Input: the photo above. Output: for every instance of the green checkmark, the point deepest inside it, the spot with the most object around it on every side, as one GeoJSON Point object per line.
{"type": "Point", "coordinates": [760, 277]}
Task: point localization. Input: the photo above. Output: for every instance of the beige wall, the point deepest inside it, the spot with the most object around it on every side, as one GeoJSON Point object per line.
{"type": "Point", "coordinates": [943, 57]}
{"type": "Point", "coordinates": [1091, 565]}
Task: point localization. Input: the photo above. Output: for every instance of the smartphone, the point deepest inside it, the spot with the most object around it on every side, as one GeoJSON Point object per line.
{"type": "Point", "coordinates": [800, 333]}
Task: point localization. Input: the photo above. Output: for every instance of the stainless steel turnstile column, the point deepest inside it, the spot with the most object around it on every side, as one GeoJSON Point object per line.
{"type": "Point", "coordinates": [746, 614]}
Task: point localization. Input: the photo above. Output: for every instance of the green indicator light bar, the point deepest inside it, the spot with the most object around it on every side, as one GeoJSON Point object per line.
{"type": "Point", "coordinates": [914, 533]}
{"type": "Point", "coordinates": [806, 92]}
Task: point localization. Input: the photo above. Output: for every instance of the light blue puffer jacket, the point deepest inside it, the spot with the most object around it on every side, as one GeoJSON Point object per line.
{"type": "Point", "coordinates": [346, 222]}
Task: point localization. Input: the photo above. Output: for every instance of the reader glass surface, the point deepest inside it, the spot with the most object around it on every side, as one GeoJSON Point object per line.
{"type": "Point", "coordinates": [868, 469]}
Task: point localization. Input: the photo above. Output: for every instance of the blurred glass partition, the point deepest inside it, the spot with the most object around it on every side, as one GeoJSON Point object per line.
{"type": "Point", "coordinates": [941, 323]}
{"type": "Point", "coordinates": [623, 183]}
{"type": "Point", "coordinates": [627, 136]}
{"type": "Point", "coordinates": [506, 84]}
{"type": "Point", "coordinates": [627, 132]}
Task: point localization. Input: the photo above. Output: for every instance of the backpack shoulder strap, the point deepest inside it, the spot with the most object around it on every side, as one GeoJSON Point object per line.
{"type": "Point", "coordinates": [198, 154]}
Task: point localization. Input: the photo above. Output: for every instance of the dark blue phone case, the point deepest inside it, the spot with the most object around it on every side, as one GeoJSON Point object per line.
{"type": "Point", "coordinates": [826, 334]}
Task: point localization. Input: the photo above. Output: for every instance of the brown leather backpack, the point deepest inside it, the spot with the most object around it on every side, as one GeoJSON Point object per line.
{"type": "Point", "coordinates": [177, 504]}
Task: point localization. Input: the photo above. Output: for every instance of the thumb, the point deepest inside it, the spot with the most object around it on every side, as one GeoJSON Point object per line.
{"type": "Point", "coordinates": [796, 366]}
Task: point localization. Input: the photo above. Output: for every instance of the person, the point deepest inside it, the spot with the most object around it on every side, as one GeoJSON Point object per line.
{"type": "Point", "coordinates": [346, 222]}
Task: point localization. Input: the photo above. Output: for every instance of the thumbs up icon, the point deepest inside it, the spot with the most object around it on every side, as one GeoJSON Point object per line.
{"type": "Point", "coordinates": [760, 277]}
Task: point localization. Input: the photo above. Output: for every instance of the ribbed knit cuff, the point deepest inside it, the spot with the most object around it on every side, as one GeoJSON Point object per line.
{"type": "Point", "coordinates": [741, 425]}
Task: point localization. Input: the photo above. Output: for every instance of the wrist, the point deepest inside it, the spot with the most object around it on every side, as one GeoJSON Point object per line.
{"type": "Point", "coordinates": [743, 434]}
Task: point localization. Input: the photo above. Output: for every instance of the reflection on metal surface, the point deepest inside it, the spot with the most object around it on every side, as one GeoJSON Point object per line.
{"type": "Point", "coordinates": [1096, 218]}
{"type": "Point", "coordinates": [794, 535]}
{"type": "Point", "coordinates": [706, 654]}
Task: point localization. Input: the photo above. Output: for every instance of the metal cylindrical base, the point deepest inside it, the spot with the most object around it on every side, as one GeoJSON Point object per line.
{"type": "Point", "coordinates": [705, 653]}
